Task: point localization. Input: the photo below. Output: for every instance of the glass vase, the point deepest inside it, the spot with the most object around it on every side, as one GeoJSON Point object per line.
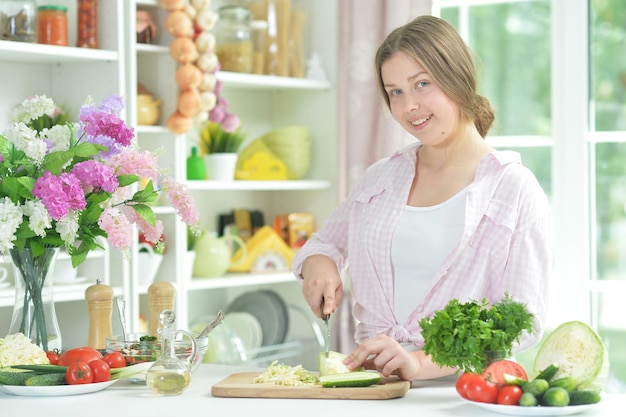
{"type": "Point", "coordinates": [33, 313]}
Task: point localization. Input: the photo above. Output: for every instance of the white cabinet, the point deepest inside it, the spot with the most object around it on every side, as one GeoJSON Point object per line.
{"type": "Point", "coordinates": [262, 103]}
{"type": "Point", "coordinates": [69, 74]}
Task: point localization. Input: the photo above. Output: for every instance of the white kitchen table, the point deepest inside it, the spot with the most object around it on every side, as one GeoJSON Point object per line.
{"type": "Point", "coordinates": [125, 399]}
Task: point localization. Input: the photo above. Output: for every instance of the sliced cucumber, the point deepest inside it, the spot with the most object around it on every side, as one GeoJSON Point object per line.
{"type": "Point", "coordinates": [350, 379]}
{"type": "Point", "coordinates": [514, 380]}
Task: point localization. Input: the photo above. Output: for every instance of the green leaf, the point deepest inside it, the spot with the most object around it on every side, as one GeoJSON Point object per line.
{"type": "Point", "coordinates": [125, 180]}
{"type": "Point", "coordinates": [55, 161]}
{"type": "Point", "coordinates": [145, 212]}
{"type": "Point", "coordinates": [87, 149]}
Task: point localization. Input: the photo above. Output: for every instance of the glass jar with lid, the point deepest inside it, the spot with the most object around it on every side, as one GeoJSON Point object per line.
{"type": "Point", "coordinates": [52, 25]}
{"type": "Point", "coordinates": [18, 20]}
{"type": "Point", "coordinates": [233, 40]}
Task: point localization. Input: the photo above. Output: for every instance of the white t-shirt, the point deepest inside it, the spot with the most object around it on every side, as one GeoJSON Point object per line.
{"type": "Point", "coordinates": [422, 240]}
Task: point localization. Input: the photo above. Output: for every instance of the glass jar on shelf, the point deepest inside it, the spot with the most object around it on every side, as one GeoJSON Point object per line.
{"type": "Point", "coordinates": [52, 25]}
{"type": "Point", "coordinates": [18, 20]}
{"type": "Point", "coordinates": [233, 39]}
{"type": "Point", "coordinates": [87, 30]}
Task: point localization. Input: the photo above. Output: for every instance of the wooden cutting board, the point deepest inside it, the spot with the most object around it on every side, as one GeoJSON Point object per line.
{"type": "Point", "coordinates": [241, 385]}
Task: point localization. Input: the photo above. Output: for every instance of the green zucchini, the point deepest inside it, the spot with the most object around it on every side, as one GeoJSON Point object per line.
{"type": "Point", "coordinates": [45, 380]}
{"type": "Point", "coordinates": [43, 369]}
{"type": "Point", "coordinates": [350, 379]}
{"type": "Point", "coordinates": [14, 377]}
{"type": "Point", "coordinates": [566, 382]}
{"type": "Point", "coordinates": [584, 397]}
{"type": "Point", "coordinates": [548, 372]}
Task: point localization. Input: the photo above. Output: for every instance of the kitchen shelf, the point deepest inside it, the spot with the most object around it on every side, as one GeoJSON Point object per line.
{"type": "Point", "coordinates": [24, 52]}
{"type": "Point", "coordinates": [232, 280]}
{"type": "Point", "coordinates": [287, 185]}
{"type": "Point", "coordinates": [269, 82]}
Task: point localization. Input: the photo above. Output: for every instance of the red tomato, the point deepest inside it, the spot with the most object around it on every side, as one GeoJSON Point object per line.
{"type": "Point", "coordinates": [115, 359]}
{"type": "Point", "coordinates": [100, 370]}
{"type": "Point", "coordinates": [481, 390]}
{"type": "Point", "coordinates": [53, 357]}
{"type": "Point", "coordinates": [78, 373]}
{"type": "Point", "coordinates": [495, 371]}
{"type": "Point", "coordinates": [509, 395]}
{"type": "Point", "coordinates": [83, 354]}
{"type": "Point", "coordinates": [462, 383]}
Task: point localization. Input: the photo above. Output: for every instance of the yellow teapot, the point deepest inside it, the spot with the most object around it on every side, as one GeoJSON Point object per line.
{"type": "Point", "coordinates": [147, 109]}
{"type": "Point", "coordinates": [214, 254]}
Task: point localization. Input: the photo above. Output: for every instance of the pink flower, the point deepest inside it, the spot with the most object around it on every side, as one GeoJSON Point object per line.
{"type": "Point", "coordinates": [182, 201]}
{"type": "Point", "coordinates": [131, 161]}
{"type": "Point", "coordinates": [59, 194]}
{"type": "Point", "coordinates": [117, 228]}
{"type": "Point", "coordinates": [94, 175]}
{"type": "Point", "coordinates": [152, 233]}
{"type": "Point", "coordinates": [230, 123]}
{"type": "Point", "coordinates": [98, 123]}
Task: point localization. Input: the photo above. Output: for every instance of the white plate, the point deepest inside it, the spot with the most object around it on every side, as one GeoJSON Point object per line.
{"type": "Point", "coordinates": [516, 410]}
{"type": "Point", "coordinates": [247, 327]}
{"type": "Point", "coordinates": [269, 309]}
{"type": "Point", "coordinates": [55, 390]}
{"type": "Point", "coordinates": [77, 280]}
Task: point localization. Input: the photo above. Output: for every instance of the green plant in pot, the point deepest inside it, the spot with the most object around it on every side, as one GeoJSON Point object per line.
{"type": "Point", "coordinates": [220, 147]}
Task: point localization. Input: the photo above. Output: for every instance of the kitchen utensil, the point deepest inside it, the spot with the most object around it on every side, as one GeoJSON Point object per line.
{"type": "Point", "coordinates": [326, 317]}
{"type": "Point", "coordinates": [212, 325]}
{"type": "Point", "coordinates": [121, 307]}
{"type": "Point", "coordinates": [241, 385]}
{"type": "Point", "coordinates": [214, 254]}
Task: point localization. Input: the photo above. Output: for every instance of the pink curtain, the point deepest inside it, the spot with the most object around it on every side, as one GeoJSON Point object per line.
{"type": "Point", "coordinates": [366, 130]}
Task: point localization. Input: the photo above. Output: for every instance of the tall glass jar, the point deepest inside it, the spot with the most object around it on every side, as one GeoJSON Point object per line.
{"type": "Point", "coordinates": [52, 25]}
{"type": "Point", "coordinates": [87, 33]}
{"type": "Point", "coordinates": [233, 41]}
{"type": "Point", "coordinates": [18, 20]}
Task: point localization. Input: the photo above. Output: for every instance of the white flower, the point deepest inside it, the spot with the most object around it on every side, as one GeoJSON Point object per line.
{"type": "Point", "coordinates": [10, 220]}
{"type": "Point", "coordinates": [38, 218]}
{"type": "Point", "coordinates": [67, 227]}
{"type": "Point", "coordinates": [25, 139]}
{"type": "Point", "coordinates": [58, 137]}
{"type": "Point", "coordinates": [33, 108]}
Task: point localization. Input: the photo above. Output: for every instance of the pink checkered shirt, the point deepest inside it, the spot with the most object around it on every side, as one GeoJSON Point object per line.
{"type": "Point", "coordinates": [506, 245]}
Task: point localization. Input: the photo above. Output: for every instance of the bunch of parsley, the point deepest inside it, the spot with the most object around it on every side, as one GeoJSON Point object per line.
{"type": "Point", "coordinates": [461, 334]}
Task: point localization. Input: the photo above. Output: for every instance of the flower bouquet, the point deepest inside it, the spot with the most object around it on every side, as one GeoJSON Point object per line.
{"type": "Point", "coordinates": [69, 185]}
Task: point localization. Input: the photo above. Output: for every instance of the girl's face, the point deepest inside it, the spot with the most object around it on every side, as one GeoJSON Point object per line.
{"type": "Point", "coordinates": [417, 102]}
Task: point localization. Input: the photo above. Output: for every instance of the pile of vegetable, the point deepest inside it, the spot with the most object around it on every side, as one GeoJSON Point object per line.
{"type": "Point", "coordinates": [81, 365]}
{"type": "Point", "coordinates": [569, 369]}
{"type": "Point", "coordinates": [461, 334]}
{"type": "Point", "coordinates": [333, 374]}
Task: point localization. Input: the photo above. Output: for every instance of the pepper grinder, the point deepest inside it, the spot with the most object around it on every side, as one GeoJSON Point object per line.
{"type": "Point", "coordinates": [100, 305]}
{"type": "Point", "coordinates": [160, 297]}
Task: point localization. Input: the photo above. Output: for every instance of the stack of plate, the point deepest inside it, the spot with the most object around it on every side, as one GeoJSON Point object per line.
{"type": "Point", "coordinates": [292, 145]}
{"type": "Point", "coordinates": [269, 309]}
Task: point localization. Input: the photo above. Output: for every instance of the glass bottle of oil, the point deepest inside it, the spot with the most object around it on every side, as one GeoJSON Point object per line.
{"type": "Point", "coordinates": [169, 375]}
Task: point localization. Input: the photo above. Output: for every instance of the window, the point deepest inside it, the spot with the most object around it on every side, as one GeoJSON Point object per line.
{"type": "Point", "coordinates": [555, 73]}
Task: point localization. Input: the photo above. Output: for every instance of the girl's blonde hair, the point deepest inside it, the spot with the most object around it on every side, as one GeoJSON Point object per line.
{"type": "Point", "coordinates": [438, 48]}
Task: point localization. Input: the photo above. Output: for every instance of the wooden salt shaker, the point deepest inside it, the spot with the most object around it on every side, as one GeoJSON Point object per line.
{"type": "Point", "coordinates": [160, 297]}
{"type": "Point", "coordinates": [100, 305]}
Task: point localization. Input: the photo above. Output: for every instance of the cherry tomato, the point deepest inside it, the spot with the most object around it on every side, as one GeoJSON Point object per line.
{"type": "Point", "coordinates": [496, 370]}
{"type": "Point", "coordinates": [481, 390]}
{"type": "Point", "coordinates": [100, 370]}
{"type": "Point", "coordinates": [509, 395]}
{"type": "Point", "coordinates": [462, 382]}
{"type": "Point", "coordinates": [83, 354]}
{"type": "Point", "coordinates": [53, 357]}
{"type": "Point", "coordinates": [115, 359]}
{"type": "Point", "coordinates": [78, 373]}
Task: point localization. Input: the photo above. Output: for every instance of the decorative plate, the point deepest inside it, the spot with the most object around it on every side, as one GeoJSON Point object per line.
{"type": "Point", "coordinates": [55, 390]}
{"type": "Point", "coordinates": [516, 410]}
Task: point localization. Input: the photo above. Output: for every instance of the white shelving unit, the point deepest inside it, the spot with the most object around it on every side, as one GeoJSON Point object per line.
{"type": "Point", "coordinates": [70, 74]}
{"type": "Point", "coordinates": [67, 74]}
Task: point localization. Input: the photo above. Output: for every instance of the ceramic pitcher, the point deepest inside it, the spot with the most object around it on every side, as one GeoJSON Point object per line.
{"type": "Point", "coordinates": [213, 254]}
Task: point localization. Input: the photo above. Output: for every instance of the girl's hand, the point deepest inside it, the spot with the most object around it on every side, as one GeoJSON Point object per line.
{"type": "Point", "coordinates": [386, 356]}
{"type": "Point", "coordinates": [321, 282]}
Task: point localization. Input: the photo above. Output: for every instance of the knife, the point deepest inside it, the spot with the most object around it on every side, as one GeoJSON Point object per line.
{"type": "Point", "coordinates": [326, 317]}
